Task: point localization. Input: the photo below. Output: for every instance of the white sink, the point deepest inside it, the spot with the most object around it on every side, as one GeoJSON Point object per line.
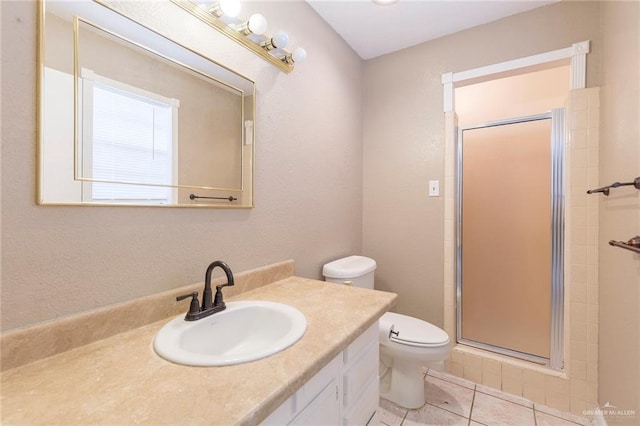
{"type": "Point", "coordinates": [245, 331]}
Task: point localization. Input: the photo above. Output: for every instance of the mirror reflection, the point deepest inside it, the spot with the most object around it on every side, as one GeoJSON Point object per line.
{"type": "Point", "coordinates": [150, 122]}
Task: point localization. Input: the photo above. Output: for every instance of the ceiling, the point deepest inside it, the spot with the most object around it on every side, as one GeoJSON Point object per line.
{"type": "Point", "coordinates": [373, 30]}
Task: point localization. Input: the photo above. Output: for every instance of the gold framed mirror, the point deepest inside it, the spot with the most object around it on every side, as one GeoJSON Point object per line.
{"type": "Point", "coordinates": [129, 117]}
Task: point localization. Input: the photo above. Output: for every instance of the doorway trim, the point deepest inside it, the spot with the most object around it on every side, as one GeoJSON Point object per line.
{"type": "Point", "coordinates": [576, 54]}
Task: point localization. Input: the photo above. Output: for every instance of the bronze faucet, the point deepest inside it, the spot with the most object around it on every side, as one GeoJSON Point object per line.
{"type": "Point", "coordinates": [208, 308]}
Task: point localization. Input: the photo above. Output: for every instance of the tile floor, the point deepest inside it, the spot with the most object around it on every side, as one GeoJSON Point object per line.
{"type": "Point", "coordinates": [455, 401]}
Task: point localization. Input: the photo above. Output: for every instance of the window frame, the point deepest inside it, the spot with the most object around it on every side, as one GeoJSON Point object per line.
{"type": "Point", "coordinates": [86, 82]}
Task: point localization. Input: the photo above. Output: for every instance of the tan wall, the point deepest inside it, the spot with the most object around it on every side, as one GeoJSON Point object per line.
{"type": "Point", "coordinates": [404, 140]}
{"type": "Point", "coordinates": [619, 270]}
{"type": "Point", "coordinates": [61, 260]}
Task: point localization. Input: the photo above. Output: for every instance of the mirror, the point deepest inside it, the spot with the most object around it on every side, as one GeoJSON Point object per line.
{"type": "Point", "coordinates": [130, 117]}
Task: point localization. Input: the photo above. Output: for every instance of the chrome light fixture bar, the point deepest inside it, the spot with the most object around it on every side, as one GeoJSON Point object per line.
{"type": "Point", "coordinates": [222, 16]}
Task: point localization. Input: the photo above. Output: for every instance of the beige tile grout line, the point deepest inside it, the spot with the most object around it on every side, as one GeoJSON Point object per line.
{"type": "Point", "coordinates": [473, 400]}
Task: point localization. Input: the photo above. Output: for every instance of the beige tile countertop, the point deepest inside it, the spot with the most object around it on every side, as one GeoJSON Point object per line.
{"type": "Point", "coordinates": [120, 380]}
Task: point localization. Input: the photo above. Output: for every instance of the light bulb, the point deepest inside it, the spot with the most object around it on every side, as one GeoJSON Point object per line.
{"type": "Point", "coordinates": [279, 40]}
{"type": "Point", "coordinates": [257, 24]}
{"type": "Point", "coordinates": [299, 55]}
{"type": "Point", "coordinates": [230, 8]}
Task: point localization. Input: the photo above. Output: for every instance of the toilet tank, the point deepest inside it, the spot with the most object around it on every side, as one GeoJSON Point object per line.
{"type": "Point", "coordinates": [353, 270]}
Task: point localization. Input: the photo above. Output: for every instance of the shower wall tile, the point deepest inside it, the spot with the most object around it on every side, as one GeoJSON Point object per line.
{"type": "Point", "coordinates": [561, 401]}
{"type": "Point", "coordinates": [578, 255]}
{"type": "Point", "coordinates": [592, 353]}
{"type": "Point", "coordinates": [593, 137]}
{"type": "Point", "coordinates": [578, 199]}
{"type": "Point", "coordinates": [457, 369]}
{"type": "Point", "coordinates": [578, 312]}
{"type": "Point", "coordinates": [592, 289]}
{"type": "Point", "coordinates": [511, 371]}
{"type": "Point", "coordinates": [472, 367]}
{"type": "Point", "coordinates": [579, 100]}
{"type": "Point", "coordinates": [579, 138]}
{"type": "Point", "coordinates": [592, 255]}
{"type": "Point", "coordinates": [593, 181]}
{"type": "Point", "coordinates": [491, 366]}
{"type": "Point", "coordinates": [592, 333]}
{"type": "Point", "coordinates": [579, 330]}
{"type": "Point", "coordinates": [579, 159]}
{"type": "Point", "coordinates": [512, 385]}
{"type": "Point", "coordinates": [458, 357]}
{"type": "Point", "coordinates": [579, 216]}
{"type": "Point", "coordinates": [579, 235]}
{"type": "Point", "coordinates": [533, 386]}
{"type": "Point", "coordinates": [592, 237]}
{"type": "Point", "coordinates": [579, 119]}
{"type": "Point", "coordinates": [533, 393]}
{"type": "Point", "coordinates": [581, 178]}
{"type": "Point", "coordinates": [592, 373]}
{"type": "Point", "coordinates": [578, 389]}
{"type": "Point", "coordinates": [579, 292]}
{"type": "Point", "coordinates": [492, 380]}
{"type": "Point", "coordinates": [592, 392]}
{"type": "Point", "coordinates": [579, 370]}
{"type": "Point", "coordinates": [472, 373]}
{"type": "Point", "coordinates": [593, 116]}
{"type": "Point", "coordinates": [559, 385]}
{"type": "Point", "coordinates": [592, 314]}
{"type": "Point", "coordinates": [533, 378]}
{"type": "Point", "coordinates": [578, 350]}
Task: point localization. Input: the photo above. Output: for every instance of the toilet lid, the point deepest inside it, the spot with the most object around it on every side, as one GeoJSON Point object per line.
{"type": "Point", "coordinates": [415, 332]}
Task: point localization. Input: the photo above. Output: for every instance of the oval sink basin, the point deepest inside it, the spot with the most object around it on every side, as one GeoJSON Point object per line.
{"type": "Point", "coordinates": [245, 331]}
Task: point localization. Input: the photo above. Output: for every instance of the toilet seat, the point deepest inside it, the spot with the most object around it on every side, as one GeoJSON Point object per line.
{"type": "Point", "coordinates": [415, 332]}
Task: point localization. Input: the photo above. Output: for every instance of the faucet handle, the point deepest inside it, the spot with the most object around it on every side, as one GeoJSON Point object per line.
{"type": "Point", "coordinates": [194, 308]}
{"type": "Point", "coordinates": [218, 300]}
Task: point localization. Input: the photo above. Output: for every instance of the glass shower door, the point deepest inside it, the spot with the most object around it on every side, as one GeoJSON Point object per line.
{"type": "Point", "coordinates": [509, 237]}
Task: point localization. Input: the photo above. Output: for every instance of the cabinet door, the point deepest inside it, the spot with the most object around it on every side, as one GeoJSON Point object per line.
{"type": "Point", "coordinates": [323, 410]}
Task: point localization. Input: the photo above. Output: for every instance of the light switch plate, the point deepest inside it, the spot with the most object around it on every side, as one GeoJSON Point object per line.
{"type": "Point", "coordinates": [434, 188]}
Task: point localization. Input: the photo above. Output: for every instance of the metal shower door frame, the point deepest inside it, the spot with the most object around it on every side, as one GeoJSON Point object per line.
{"type": "Point", "coordinates": [557, 192]}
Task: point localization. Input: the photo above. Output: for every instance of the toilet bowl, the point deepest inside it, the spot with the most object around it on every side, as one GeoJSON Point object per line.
{"type": "Point", "coordinates": [407, 344]}
{"type": "Point", "coordinates": [412, 345]}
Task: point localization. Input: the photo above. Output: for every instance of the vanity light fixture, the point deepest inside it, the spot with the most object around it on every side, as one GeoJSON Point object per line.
{"type": "Point", "coordinates": [222, 16]}
{"type": "Point", "coordinates": [384, 2]}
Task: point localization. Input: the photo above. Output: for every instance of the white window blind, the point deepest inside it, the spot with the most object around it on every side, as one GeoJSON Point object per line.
{"type": "Point", "coordinates": [132, 142]}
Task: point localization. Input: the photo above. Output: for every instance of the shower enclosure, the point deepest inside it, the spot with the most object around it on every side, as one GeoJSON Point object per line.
{"type": "Point", "coordinates": [510, 237]}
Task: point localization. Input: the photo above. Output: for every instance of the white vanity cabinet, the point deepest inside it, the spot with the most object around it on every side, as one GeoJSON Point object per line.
{"type": "Point", "coordinates": [361, 387]}
{"type": "Point", "coordinates": [345, 392]}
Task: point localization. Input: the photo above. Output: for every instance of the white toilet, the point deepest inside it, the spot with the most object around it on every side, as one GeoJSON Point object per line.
{"type": "Point", "coordinates": [411, 344]}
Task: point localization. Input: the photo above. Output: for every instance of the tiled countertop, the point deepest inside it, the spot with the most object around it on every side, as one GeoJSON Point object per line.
{"type": "Point", "coordinates": [120, 380]}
